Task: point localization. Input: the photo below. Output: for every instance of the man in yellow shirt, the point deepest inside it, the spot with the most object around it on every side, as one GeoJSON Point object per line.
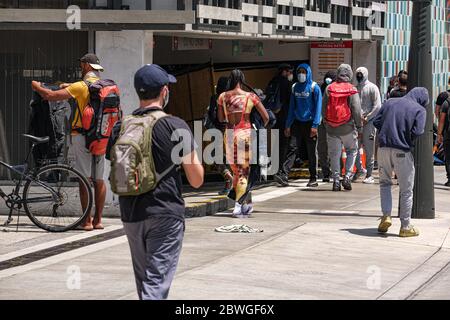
{"type": "Point", "coordinates": [85, 162]}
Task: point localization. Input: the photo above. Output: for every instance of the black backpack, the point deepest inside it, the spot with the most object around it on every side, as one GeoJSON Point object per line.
{"type": "Point", "coordinates": [273, 96]}
{"type": "Point", "coordinates": [49, 119]}
{"type": "Point", "coordinates": [210, 120]}
{"type": "Point", "coordinates": [255, 116]}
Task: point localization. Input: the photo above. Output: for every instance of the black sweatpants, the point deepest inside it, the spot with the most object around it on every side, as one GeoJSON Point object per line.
{"type": "Point", "coordinates": [301, 131]}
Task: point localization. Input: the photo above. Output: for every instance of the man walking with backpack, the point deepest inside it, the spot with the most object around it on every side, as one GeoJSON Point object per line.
{"type": "Point", "coordinates": [342, 117]}
{"type": "Point", "coordinates": [303, 119]}
{"type": "Point", "coordinates": [85, 163]}
{"type": "Point", "coordinates": [145, 154]}
{"type": "Point", "coordinates": [400, 121]}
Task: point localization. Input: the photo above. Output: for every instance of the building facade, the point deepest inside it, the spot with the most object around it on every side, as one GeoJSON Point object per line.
{"type": "Point", "coordinates": [44, 45]}
{"type": "Point", "coordinates": [395, 48]}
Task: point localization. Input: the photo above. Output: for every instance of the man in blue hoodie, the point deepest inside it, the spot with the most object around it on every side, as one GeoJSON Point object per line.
{"type": "Point", "coordinates": [304, 117]}
{"type": "Point", "coordinates": [400, 121]}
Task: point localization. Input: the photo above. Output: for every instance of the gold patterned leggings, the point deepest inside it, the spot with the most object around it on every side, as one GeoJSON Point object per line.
{"type": "Point", "coordinates": [238, 152]}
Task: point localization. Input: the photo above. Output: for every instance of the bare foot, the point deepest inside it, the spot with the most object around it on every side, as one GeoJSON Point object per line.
{"type": "Point", "coordinates": [86, 227]}
{"type": "Point", "coordinates": [98, 226]}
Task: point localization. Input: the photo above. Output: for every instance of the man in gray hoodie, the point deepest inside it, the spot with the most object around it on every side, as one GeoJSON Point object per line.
{"type": "Point", "coordinates": [370, 106]}
{"type": "Point", "coordinates": [341, 113]}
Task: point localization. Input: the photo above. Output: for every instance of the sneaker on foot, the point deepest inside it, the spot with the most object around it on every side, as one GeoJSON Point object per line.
{"type": "Point", "coordinates": [384, 225]}
{"type": "Point", "coordinates": [358, 175]}
{"type": "Point", "coordinates": [237, 209]}
{"type": "Point", "coordinates": [347, 184]}
{"type": "Point", "coordinates": [369, 180]}
{"type": "Point", "coordinates": [336, 185]}
{"type": "Point", "coordinates": [282, 181]}
{"type": "Point", "coordinates": [247, 210]}
{"type": "Point", "coordinates": [409, 231]}
{"type": "Point", "coordinates": [312, 183]}
{"type": "Point", "coordinates": [375, 165]}
{"type": "Point", "coordinates": [326, 179]}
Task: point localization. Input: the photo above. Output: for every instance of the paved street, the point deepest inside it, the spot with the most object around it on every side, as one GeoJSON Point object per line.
{"type": "Point", "coordinates": [316, 244]}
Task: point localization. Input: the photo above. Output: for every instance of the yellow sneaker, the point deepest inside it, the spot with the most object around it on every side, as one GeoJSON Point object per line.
{"type": "Point", "coordinates": [384, 225]}
{"type": "Point", "coordinates": [411, 231]}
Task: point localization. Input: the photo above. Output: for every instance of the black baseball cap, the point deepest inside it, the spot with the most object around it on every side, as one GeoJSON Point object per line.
{"type": "Point", "coordinates": [285, 66]}
{"type": "Point", "coordinates": [93, 61]}
{"type": "Point", "coordinates": [152, 76]}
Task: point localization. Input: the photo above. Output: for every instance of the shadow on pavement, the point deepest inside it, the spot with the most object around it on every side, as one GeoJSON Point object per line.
{"type": "Point", "coordinates": [328, 214]}
{"type": "Point", "coordinates": [370, 232]}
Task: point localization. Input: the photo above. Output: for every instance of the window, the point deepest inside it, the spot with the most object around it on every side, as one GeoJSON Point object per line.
{"type": "Point", "coordinates": [318, 5]}
{"type": "Point", "coordinates": [340, 14]}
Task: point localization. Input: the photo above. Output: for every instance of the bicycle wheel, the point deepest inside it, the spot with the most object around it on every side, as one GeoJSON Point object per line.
{"type": "Point", "coordinates": [52, 199]}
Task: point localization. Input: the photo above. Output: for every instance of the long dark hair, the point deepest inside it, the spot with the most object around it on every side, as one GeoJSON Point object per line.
{"type": "Point", "coordinates": [237, 77]}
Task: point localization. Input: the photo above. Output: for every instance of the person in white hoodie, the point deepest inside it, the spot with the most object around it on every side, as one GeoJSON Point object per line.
{"type": "Point", "coordinates": [370, 106]}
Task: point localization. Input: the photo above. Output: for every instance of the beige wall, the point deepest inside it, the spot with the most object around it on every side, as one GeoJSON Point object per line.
{"type": "Point", "coordinates": [365, 55]}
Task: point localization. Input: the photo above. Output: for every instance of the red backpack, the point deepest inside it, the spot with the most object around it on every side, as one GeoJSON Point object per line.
{"type": "Point", "coordinates": [100, 115]}
{"type": "Point", "coordinates": [338, 110]}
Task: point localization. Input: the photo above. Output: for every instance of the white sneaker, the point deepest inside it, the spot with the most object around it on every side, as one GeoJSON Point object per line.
{"type": "Point", "coordinates": [237, 209]}
{"type": "Point", "coordinates": [369, 180]}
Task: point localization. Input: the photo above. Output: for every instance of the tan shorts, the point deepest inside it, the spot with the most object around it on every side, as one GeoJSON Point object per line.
{"type": "Point", "coordinates": [85, 162]}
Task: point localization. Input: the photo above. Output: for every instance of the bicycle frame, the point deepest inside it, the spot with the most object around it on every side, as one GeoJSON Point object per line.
{"type": "Point", "coordinates": [26, 176]}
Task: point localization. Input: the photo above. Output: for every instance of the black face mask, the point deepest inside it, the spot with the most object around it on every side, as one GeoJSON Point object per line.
{"type": "Point", "coordinates": [359, 77]}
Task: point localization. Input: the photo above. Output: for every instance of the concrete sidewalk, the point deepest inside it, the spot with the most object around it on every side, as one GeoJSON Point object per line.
{"type": "Point", "coordinates": [316, 244]}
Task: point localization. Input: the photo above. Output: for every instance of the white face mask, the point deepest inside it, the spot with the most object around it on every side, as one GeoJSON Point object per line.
{"type": "Point", "coordinates": [328, 80]}
{"type": "Point", "coordinates": [301, 77]}
{"type": "Point", "coordinates": [290, 77]}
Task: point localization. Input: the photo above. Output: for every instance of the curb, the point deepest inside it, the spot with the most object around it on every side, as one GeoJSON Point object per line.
{"type": "Point", "coordinates": [208, 207]}
{"type": "Point", "coordinates": [195, 209]}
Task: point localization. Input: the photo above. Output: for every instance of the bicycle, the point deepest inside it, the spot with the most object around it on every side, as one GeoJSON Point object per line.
{"type": "Point", "coordinates": [51, 194]}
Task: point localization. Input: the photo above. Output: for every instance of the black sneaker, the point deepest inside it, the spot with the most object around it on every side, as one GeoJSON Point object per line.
{"type": "Point", "coordinates": [347, 184]}
{"type": "Point", "coordinates": [312, 183]}
{"type": "Point", "coordinates": [282, 181]}
{"type": "Point", "coordinates": [447, 184]}
{"type": "Point", "coordinates": [336, 185]}
{"type": "Point", "coordinates": [375, 165]}
{"type": "Point", "coordinates": [326, 179]}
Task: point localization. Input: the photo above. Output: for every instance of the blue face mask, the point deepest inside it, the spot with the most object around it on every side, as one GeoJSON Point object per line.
{"type": "Point", "coordinates": [328, 81]}
{"type": "Point", "coordinates": [301, 77]}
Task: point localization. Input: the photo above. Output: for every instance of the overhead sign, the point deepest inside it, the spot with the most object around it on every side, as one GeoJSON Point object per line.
{"type": "Point", "coordinates": [327, 55]}
{"type": "Point", "coordinates": [247, 48]}
{"type": "Point", "coordinates": [183, 44]}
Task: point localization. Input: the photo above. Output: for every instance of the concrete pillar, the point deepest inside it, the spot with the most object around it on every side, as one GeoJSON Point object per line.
{"type": "Point", "coordinates": [365, 55]}
{"type": "Point", "coordinates": [122, 53]}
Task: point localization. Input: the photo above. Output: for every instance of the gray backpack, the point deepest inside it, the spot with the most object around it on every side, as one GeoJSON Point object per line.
{"type": "Point", "coordinates": [132, 165]}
